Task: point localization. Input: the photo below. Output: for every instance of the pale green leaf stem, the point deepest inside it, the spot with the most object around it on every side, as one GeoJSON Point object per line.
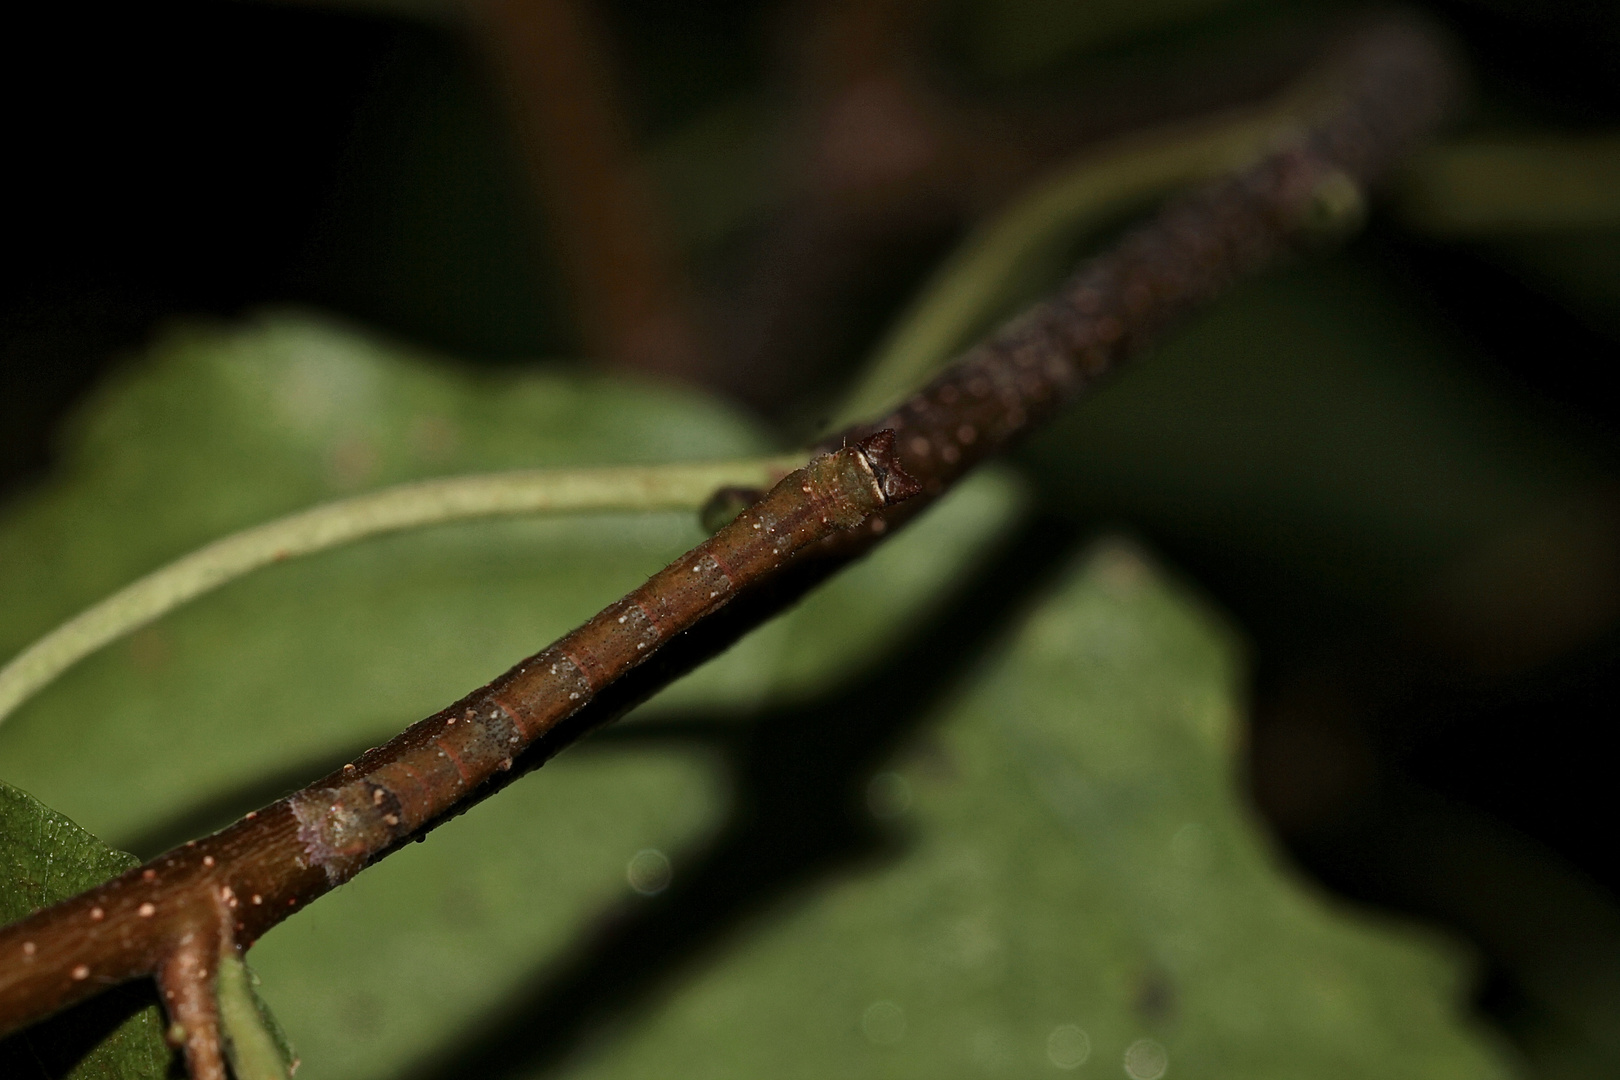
{"type": "Point", "coordinates": [344, 521]}
{"type": "Point", "coordinates": [253, 1049]}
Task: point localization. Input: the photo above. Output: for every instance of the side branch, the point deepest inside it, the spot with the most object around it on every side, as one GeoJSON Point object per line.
{"type": "Point", "coordinates": [1385, 89]}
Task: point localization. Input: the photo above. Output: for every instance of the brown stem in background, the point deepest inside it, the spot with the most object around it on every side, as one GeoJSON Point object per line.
{"type": "Point", "coordinates": [1388, 88]}
{"type": "Point", "coordinates": [635, 306]}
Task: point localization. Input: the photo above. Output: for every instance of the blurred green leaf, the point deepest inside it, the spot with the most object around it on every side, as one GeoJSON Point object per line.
{"type": "Point", "coordinates": [1344, 463]}
{"type": "Point", "coordinates": [1078, 880]}
{"type": "Point", "coordinates": [44, 858]}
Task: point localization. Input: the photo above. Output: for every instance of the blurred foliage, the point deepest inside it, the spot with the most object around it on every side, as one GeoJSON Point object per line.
{"type": "Point", "coordinates": [1072, 870]}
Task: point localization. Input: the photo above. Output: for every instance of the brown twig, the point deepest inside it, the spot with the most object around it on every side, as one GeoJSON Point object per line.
{"type": "Point", "coordinates": [636, 309]}
{"type": "Point", "coordinates": [187, 981]}
{"type": "Point", "coordinates": [1387, 89]}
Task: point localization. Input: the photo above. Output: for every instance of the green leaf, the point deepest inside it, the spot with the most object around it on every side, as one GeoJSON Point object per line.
{"type": "Point", "coordinates": [44, 858]}
{"type": "Point", "coordinates": [1077, 881]}
{"type": "Point", "coordinates": [424, 947]}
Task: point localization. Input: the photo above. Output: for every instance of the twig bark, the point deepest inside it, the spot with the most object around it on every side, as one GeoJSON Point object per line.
{"type": "Point", "coordinates": [187, 979]}
{"type": "Point", "coordinates": [1390, 85]}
